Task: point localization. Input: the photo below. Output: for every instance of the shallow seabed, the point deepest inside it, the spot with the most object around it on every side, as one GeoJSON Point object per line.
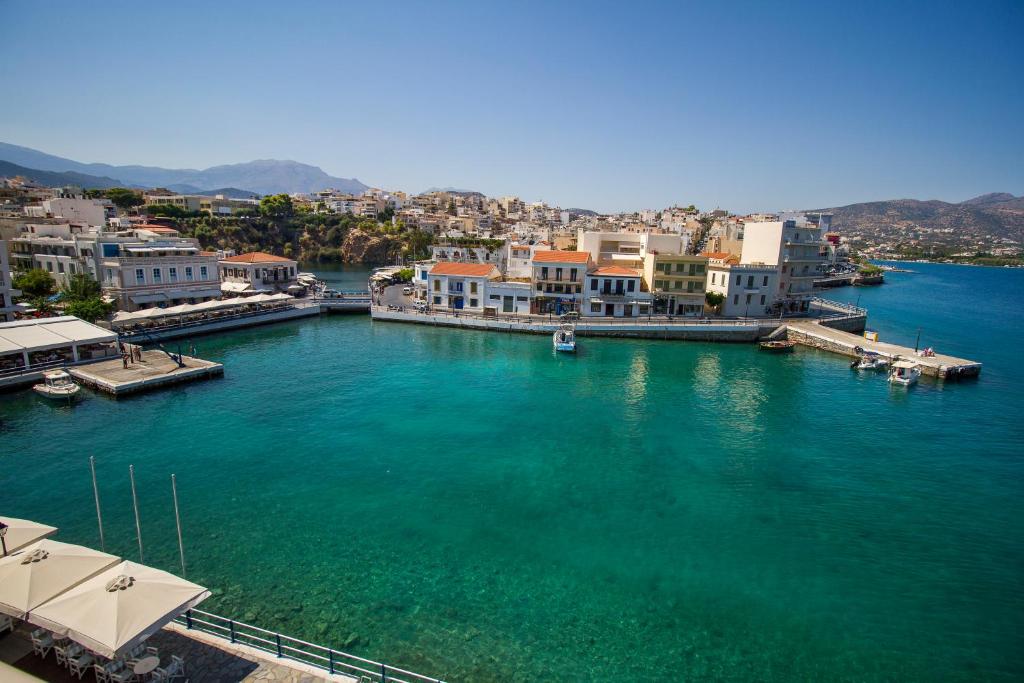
{"type": "Point", "coordinates": [471, 506]}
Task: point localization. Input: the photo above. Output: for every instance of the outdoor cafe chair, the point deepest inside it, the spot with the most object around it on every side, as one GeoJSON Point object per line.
{"type": "Point", "coordinates": [6, 623]}
{"type": "Point", "coordinates": [122, 674]}
{"type": "Point", "coordinates": [42, 642]}
{"type": "Point", "coordinates": [63, 649]}
{"type": "Point", "coordinates": [80, 664]}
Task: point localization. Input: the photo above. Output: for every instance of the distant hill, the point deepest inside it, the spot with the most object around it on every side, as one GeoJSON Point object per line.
{"type": "Point", "coordinates": [582, 212]}
{"type": "Point", "coordinates": [994, 216]}
{"type": "Point", "coordinates": [264, 176]}
{"type": "Point", "coordinates": [58, 179]}
{"type": "Point", "coordinates": [229, 192]}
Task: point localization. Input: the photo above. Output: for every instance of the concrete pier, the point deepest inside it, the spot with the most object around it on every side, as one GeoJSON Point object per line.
{"type": "Point", "coordinates": [819, 336]}
{"type": "Point", "coordinates": [155, 370]}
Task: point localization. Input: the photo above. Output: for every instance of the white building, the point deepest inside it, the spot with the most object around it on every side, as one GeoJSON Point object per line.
{"type": "Point", "coordinates": [557, 279]}
{"type": "Point", "coordinates": [508, 297]}
{"type": "Point", "coordinates": [158, 273]}
{"type": "Point", "coordinates": [257, 271]}
{"type": "Point", "coordinates": [73, 209]}
{"type": "Point", "coordinates": [794, 244]}
{"type": "Point", "coordinates": [7, 291]}
{"type": "Point", "coordinates": [615, 291]}
{"type": "Point", "coordinates": [460, 286]}
{"type": "Point", "coordinates": [748, 289]}
{"type": "Point", "coordinates": [628, 248]}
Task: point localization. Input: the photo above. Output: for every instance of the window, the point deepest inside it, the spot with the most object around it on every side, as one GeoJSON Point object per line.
{"type": "Point", "coordinates": [750, 282]}
{"type": "Point", "coordinates": [156, 275]}
{"type": "Point", "coordinates": [544, 273]}
{"type": "Point", "coordinates": [712, 278]}
{"type": "Point", "coordinates": [473, 303]}
{"type": "Point", "coordinates": [60, 266]}
{"type": "Point", "coordinates": [593, 284]}
{"type": "Point", "coordinates": [437, 300]}
{"type": "Point", "coordinates": [678, 284]}
{"type": "Point", "coordinates": [631, 286]}
{"type": "Point", "coordinates": [735, 299]}
{"type": "Point", "coordinates": [472, 287]}
{"type": "Point", "coordinates": [762, 299]}
{"type": "Point", "coordinates": [739, 279]}
{"type": "Point", "coordinates": [140, 276]}
{"type": "Point", "coordinates": [174, 273]}
{"type": "Point", "coordinates": [595, 308]}
{"type": "Point", "coordinates": [521, 298]}
{"type": "Point", "coordinates": [748, 297]}
{"type": "Point", "coordinates": [188, 273]}
{"type": "Point", "coordinates": [49, 266]}
{"type": "Point", "coordinates": [540, 287]}
{"type": "Point", "coordinates": [495, 297]}
{"type": "Point", "coordinates": [765, 282]}
{"type": "Point", "coordinates": [572, 275]}
{"type": "Point", "coordinates": [437, 285]}
{"type": "Point", "coordinates": [558, 273]}
{"type": "Point", "coordinates": [202, 272]}
{"type": "Point", "coordinates": [700, 269]}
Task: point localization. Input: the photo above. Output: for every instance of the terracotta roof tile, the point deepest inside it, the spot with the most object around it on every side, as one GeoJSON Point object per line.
{"type": "Point", "coordinates": [465, 269]}
{"type": "Point", "coordinates": [257, 257]}
{"type": "Point", "coordinates": [554, 256]}
{"type": "Point", "coordinates": [616, 270]}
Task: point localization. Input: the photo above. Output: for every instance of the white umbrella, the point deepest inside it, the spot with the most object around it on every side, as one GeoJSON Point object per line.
{"type": "Point", "coordinates": [18, 533]}
{"type": "Point", "coordinates": [114, 611]}
{"type": "Point", "coordinates": [42, 571]}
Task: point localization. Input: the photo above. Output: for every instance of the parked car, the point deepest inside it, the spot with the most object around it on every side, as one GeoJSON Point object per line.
{"type": "Point", "coordinates": [407, 290]}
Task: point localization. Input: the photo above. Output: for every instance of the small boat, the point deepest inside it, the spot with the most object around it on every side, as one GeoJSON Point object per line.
{"type": "Point", "coordinates": [869, 360]}
{"type": "Point", "coordinates": [904, 372]}
{"type": "Point", "coordinates": [564, 338]}
{"type": "Point", "coordinates": [777, 346]}
{"type": "Point", "coordinates": [57, 384]}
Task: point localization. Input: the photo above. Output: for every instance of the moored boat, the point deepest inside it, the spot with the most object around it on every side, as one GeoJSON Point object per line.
{"type": "Point", "coordinates": [904, 372]}
{"type": "Point", "coordinates": [57, 384]}
{"type": "Point", "coordinates": [564, 338]}
{"type": "Point", "coordinates": [870, 361]}
{"type": "Point", "coordinates": [777, 346]}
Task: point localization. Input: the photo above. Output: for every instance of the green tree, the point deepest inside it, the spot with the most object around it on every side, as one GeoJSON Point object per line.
{"type": "Point", "coordinates": [80, 286]}
{"type": "Point", "coordinates": [124, 199]}
{"type": "Point", "coordinates": [404, 275]}
{"type": "Point", "coordinates": [452, 210]}
{"type": "Point", "coordinates": [89, 310]}
{"type": "Point", "coordinates": [276, 206]}
{"type": "Point", "coordinates": [34, 283]}
{"type": "Point", "coordinates": [714, 299]}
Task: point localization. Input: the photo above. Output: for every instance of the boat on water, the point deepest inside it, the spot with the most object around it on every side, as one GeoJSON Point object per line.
{"type": "Point", "coordinates": [904, 372]}
{"type": "Point", "coordinates": [564, 338]}
{"type": "Point", "coordinates": [870, 361]}
{"type": "Point", "coordinates": [777, 346]}
{"type": "Point", "coordinates": [57, 384]}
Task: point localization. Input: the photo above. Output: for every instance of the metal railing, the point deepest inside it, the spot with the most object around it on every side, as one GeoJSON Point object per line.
{"type": "Point", "coordinates": [325, 658]}
{"type": "Point", "coordinates": [845, 308]}
{"type": "Point", "coordinates": [137, 330]}
{"type": "Point", "coordinates": [584, 320]}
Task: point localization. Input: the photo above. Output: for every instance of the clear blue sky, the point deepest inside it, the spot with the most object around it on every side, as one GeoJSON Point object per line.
{"type": "Point", "coordinates": [609, 106]}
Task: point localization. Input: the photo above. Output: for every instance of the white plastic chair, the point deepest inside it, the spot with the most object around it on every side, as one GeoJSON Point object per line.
{"type": "Point", "coordinates": [104, 671]}
{"type": "Point", "coordinates": [177, 668]}
{"type": "Point", "coordinates": [62, 649]}
{"type": "Point", "coordinates": [6, 623]}
{"type": "Point", "coordinates": [80, 664]}
{"type": "Point", "coordinates": [123, 674]}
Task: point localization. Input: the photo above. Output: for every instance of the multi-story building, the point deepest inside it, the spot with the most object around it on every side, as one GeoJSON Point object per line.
{"type": "Point", "coordinates": [66, 249]}
{"type": "Point", "coordinates": [676, 282]}
{"type": "Point", "coordinates": [158, 273]}
{"type": "Point", "coordinates": [70, 207]}
{"type": "Point", "coordinates": [627, 248]}
{"type": "Point", "coordinates": [793, 244]}
{"type": "Point", "coordinates": [257, 271]}
{"type": "Point", "coordinates": [460, 286]}
{"type": "Point", "coordinates": [185, 202]}
{"type": "Point", "coordinates": [747, 289]}
{"type": "Point", "coordinates": [558, 280]}
{"type": "Point", "coordinates": [615, 291]}
{"type": "Point", "coordinates": [7, 291]}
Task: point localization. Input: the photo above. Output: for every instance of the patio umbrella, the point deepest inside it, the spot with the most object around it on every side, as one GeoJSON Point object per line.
{"type": "Point", "coordinates": [18, 533]}
{"type": "Point", "coordinates": [42, 571]}
{"type": "Point", "coordinates": [117, 609]}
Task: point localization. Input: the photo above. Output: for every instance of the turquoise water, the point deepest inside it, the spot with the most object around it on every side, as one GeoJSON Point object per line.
{"type": "Point", "coordinates": [471, 506]}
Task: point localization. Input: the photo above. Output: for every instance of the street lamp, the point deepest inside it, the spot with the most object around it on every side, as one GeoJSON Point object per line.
{"type": "Point", "coordinates": [3, 541]}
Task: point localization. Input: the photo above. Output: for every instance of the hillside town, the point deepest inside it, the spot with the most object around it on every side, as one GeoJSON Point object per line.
{"type": "Point", "coordinates": [486, 255]}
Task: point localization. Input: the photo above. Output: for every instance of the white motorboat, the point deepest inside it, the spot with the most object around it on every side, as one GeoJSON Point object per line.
{"type": "Point", "coordinates": [564, 339]}
{"type": "Point", "coordinates": [870, 362]}
{"type": "Point", "coordinates": [57, 384]}
{"type": "Point", "coordinates": [904, 372]}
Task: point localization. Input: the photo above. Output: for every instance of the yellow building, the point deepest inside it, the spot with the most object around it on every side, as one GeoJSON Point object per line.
{"type": "Point", "coordinates": [677, 282]}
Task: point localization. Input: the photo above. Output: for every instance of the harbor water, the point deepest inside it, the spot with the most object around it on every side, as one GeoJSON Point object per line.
{"type": "Point", "coordinates": [474, 507]}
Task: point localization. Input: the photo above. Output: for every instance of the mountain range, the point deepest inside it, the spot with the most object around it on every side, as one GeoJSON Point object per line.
{"type": "Point", "coordinates": [263, 176]}
{"type": "Point", "coordinates": [992, 217]}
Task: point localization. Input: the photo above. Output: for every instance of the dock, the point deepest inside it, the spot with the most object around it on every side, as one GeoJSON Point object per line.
{"type": "Point", "coordinates": [156, 370]}
{"type": "Point", "coordinates": [820, 336]}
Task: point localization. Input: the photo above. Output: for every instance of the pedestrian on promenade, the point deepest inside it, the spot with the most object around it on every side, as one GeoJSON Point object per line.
{"type": "Point", "coordinates": [124, 360]}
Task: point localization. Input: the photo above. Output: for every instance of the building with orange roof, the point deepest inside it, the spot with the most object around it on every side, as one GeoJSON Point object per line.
{"type": "Point", "coordinates": [557, 278]}
{"type": "Point", "coordinates": [460, 286]}
{"type": "Point", "coordinates": [258, 271]}
{"type": "Point", "coordinates": [615, 291]}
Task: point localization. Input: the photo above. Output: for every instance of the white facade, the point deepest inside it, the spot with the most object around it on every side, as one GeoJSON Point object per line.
{"type": "Point", "coordinates": [159, 273]}
{"type": "Point", "coordinates": [749, 290]}
{"type": "Point", "coordinates": [459, 286]}
{"type": "Point", "coordinates": [628, 248]}
{"type": "Point", "coordinates": [795, 245]}
{"type": "Point", "coordinates": [509, 298]}
{"type": "Point", "coordinates": [72, 209]}
{"type": "Point", "coordinates": [7, 291]}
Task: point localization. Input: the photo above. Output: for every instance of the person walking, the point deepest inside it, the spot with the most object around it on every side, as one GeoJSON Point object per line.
{"type": "Point", "coordinates": [124, 360]}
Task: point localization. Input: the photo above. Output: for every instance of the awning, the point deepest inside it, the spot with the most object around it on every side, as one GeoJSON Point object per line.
{"type": "Point", "coordinates": [118, 608]}
{"type": "Point", "coordinates": [148, 298]}
{"type": "Point", "coordinates": [43, 570]}
{"type": "Point", "coordinates": [235, 287]}
{"type": "Point", "coordinates": [21, 532]}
